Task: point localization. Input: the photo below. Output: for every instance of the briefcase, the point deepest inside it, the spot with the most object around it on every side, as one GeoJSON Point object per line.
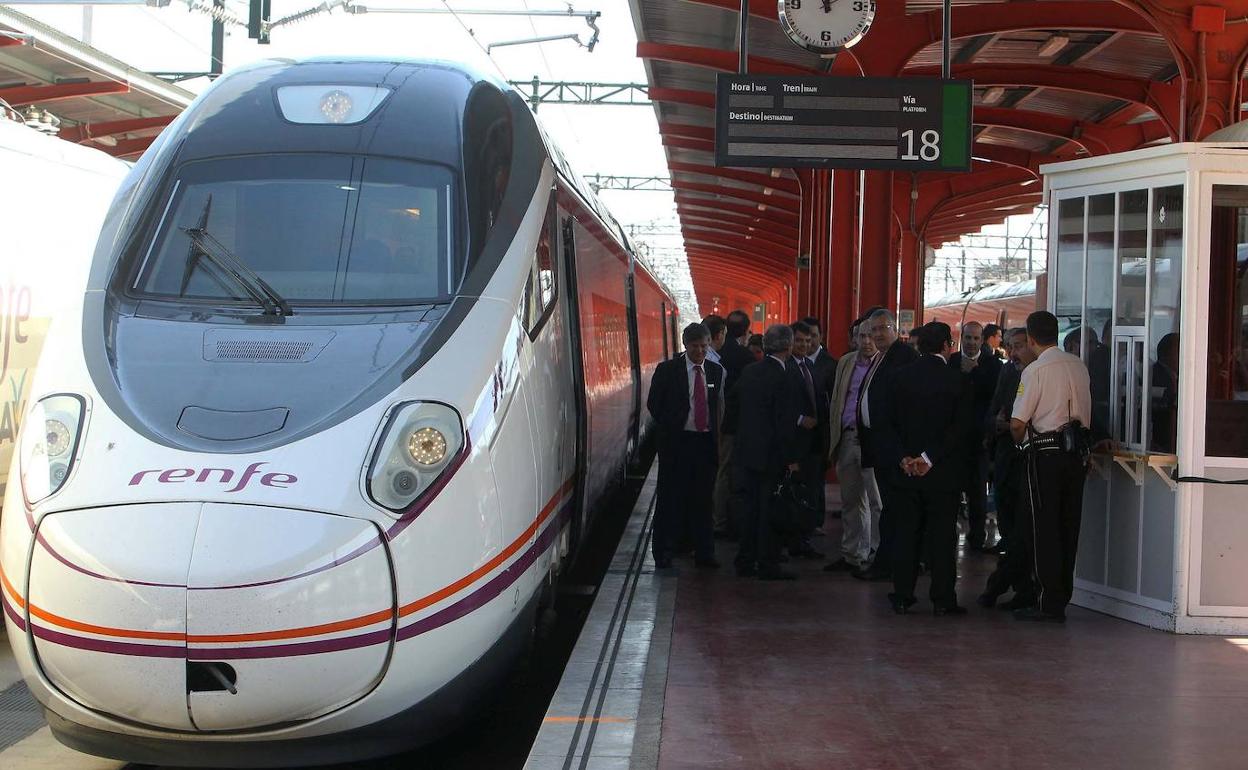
{"type": "Point", "coordinates": [790, 506]}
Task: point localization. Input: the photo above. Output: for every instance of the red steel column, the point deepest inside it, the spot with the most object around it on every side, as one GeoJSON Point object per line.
{"type": "Point", "coordinates": [911, 274]}
{"type": "Point", "coordinates": [842, 300]}
{"type": "Point", "coordinates": [876, 259]}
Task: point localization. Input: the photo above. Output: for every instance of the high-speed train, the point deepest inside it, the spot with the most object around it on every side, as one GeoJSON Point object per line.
{"type": "Point", "coordinates": [357, 356]}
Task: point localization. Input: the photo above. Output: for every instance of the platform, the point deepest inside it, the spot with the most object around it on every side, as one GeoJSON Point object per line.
{"type": "Point", "coordinates": [716, 671]}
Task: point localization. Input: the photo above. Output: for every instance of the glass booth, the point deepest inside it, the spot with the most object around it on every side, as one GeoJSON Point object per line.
{"type": "Point", "coordinates": [1147, 259]}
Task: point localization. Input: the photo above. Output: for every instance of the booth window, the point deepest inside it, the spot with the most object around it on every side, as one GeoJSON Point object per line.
{"type": "Point", "coordinates": [1094, 343]}
{"type": "Point", "coordinates": [1226, 412]}
{"type": "Point", "coordinates": [1070, 247]}
{"type": "Point", "coordinates": [1164, 307]}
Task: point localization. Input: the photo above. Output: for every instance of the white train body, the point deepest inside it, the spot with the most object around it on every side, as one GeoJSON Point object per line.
{"type": "Point", "coordinates": [268, 527]}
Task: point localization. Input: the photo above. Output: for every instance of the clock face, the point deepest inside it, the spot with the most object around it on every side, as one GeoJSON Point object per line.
{"type": "Point", "coordinates": [826, 26]}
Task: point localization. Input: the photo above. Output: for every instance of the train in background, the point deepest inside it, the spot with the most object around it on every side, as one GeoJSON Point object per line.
{"type": "Point", "coordinates": [358, 357]}
{"type": "Point", "coordinates": [53, 197]}
{"type": "Point", "coordinates": [1005, 304]}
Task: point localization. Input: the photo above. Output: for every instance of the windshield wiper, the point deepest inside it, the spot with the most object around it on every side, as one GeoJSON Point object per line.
{"type": "Point", "coordinates": [205, 244]}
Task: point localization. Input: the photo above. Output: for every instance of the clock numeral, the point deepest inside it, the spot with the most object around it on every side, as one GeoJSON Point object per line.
{"type": "Point", "coordinates": [929, 145]}
{"type": "Point", "coordinates": [795, 4]}
{"type": "Point", "coordinates": [863, 5]}
{"type": "Point", "coordinates": [825, 36]}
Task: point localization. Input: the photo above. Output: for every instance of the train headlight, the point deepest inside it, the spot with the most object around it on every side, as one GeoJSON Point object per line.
{"type": "Point", "coordinates": [422, 442]}
{"type": "Point", "coordinates": [49, 444]}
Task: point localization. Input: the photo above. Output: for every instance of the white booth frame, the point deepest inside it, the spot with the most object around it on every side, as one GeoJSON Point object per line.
{"type": "Point", "coordinates": [1198, 167]}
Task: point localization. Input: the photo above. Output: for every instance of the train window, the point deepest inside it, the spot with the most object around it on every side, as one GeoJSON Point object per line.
{"type": "Point", "coordinates": [1165, 279]}
{"type": "Point", "coordinates": [320, 230]}
{"type": "Point", "coordinates": [487, 161]}
{"type": "Point", "coordinates": [542, 286]}
{"type": "Point", "coordinates": [1226, 409]}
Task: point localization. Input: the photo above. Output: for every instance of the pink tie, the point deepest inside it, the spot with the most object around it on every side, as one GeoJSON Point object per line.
{"type": "Point", "coordinates": [700, 413]}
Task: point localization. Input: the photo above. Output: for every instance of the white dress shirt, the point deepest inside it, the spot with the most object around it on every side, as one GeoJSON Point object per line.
{"type": "Point", "coordinates": [706, 385]}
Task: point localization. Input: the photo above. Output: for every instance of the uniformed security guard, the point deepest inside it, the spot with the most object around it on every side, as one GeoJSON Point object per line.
{"type": "Point", "coordinates": [1051, 412]}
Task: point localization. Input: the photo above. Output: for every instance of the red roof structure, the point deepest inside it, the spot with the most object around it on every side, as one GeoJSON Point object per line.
{"type": "Point", "coordinates": [1129, 74]}
{"type": "Point", "coordinates": [99, 100]}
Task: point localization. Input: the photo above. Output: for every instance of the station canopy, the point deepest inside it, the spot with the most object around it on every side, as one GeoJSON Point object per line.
{"type": "Point", "coordinates": [98, 100]}
{"type": "Point", "coordinates": [1053, 81]}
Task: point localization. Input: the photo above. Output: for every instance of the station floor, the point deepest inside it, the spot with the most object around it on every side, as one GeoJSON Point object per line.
{"type": "Point", "coordinates": [820, 673]}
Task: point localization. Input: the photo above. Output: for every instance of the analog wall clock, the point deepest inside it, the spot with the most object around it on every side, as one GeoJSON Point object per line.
{"type": "Point", "coordinates": [826, 26]}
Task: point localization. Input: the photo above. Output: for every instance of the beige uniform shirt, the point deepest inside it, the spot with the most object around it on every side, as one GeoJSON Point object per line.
{"type": "Point", "coordinates": [1054, 390]}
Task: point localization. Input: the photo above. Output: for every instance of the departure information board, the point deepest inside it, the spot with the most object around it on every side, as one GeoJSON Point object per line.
{"type": "Point", "coordinates": [893, 124]}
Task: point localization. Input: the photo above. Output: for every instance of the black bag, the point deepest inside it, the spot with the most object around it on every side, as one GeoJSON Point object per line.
{"type": "Point", "coordinates": [789, 507]}
{"type": "Point", "coordinates": [1076, 440]}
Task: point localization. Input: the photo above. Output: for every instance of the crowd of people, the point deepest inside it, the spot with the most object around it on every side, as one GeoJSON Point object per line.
{"type": "Point", "coordinates": [750, 425]}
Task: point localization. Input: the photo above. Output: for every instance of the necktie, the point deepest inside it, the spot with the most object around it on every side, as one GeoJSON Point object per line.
{"type": "Point", "coordinates": [810, 382]}
{"type": "Point", "coordinates": [701, 416]}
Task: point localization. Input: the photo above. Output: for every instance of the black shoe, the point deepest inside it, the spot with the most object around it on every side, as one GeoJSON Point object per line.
{"type": "Point", "coordinates": [708, 563]}
{"type": "Point", "coordinates": [1038, 615]}
{"type": "Point", "coordinates": [775, 573]}
{"type": "Point", "coordinates": [996, 550]}
{"type": "Point", "coordinates": [839, 565]}
{"type": "Point", "coordinates": [987, 600]}
{"type": "Point", "coordinates": [901, 606]}
{"type": "Point", "coordinates": [662, 562]}
{"type": "Point", "coordinates": [952, 609]}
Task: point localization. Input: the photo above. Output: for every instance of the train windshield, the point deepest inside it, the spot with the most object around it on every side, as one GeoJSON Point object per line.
{"type": "Point", "coordinates": [315, 229]}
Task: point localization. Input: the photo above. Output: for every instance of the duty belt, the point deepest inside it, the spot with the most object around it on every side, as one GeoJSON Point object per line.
{"type": "Point", "coordinates": [1043, 442]}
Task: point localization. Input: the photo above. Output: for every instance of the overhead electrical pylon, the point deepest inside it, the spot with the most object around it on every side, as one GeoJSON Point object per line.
{"type": "Point", "coordinates": [541, 92]}
{"type": "Point", "coordinates": [614, 182]}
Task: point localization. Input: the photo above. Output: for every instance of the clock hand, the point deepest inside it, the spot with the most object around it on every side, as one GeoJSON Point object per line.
{"type": "Point", "coordinates": [827, 6]}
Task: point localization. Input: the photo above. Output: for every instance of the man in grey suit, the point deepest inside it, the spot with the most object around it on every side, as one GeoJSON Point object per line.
{"type": "Point", "coordinates": [860, 497]}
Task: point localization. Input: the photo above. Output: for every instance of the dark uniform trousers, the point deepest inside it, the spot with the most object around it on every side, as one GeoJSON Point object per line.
{"type": "Point", "coordinates": [1054, 491]}
{"type": "Point", "coordinates": [924, 522]}
{"type": "Point", "coordinates": [751, 496]}
{"type": "Point", "coordinates": [1014, 567]}
{"type": "Point", "coordinates": [687, 470]}
{"type": "Point", "coordinates": [976, 486]}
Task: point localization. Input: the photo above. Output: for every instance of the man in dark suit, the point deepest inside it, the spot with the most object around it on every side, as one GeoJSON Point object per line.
{"type": "Point", "coordinates": [823, 368]}
{"type": "Point", "coordinates": [734, 356]}
{"type": "Point", "coordinates": [981, 369]}
{"type": "Point", "coordinates": [685, 403]}
{"type": "Point", "coordinates": [807, 438]}
{"type": "Point", "coordinates": [891, 354]}
{"type": "Point", "coordinates": [923, 425]}
{"type": "Point", "coordinates": [762, 452]}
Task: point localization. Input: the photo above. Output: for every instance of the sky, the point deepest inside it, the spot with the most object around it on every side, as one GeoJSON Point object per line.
{"type": "Point", "coordinates": [622, 140]}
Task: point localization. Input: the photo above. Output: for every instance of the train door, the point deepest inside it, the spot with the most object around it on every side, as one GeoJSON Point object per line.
{"type": "Point", "coordinates": [667, 351]}
{"type": "Point", "coordinates": [576, 361]}
{"type": "Point", "coordinates": [634, 340]}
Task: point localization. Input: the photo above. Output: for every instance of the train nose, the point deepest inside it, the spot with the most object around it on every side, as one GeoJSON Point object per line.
{"type": "Point", "coordinates": [209, 616]}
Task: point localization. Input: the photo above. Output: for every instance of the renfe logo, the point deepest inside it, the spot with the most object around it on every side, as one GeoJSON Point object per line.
{"type": "Point", "coordinates": [217, 476]}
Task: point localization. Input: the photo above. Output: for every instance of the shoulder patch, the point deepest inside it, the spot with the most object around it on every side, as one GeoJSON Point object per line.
{"type": "Point", "coordinates": [1020, 388]}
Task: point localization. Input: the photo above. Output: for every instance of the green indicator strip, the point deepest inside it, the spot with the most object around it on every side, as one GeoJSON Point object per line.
{"type": "Point", "coordinates": [954, 124]}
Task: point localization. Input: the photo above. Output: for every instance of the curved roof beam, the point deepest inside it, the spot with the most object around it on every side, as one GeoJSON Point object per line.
{"type": "Point", "coordinates": [781, 184]}
{"type": "Point", "coordinates": [765, 266]}
{"type": "Point", "coordinates": [738, 223]}
{"type": "Point", "coordinates": [762, 250]}
{"type": "Point", "coordinates": [782, 218]}
{"type": "Point", "coordinates": [716, 228]}
{"type": "Point", "coordinates": [789, 205]}
{"type": "Point", "coordinates": [689, 97]}
{"type": "Point", "coordinates": [685, 143]}
{"type": "Point", "coordinates": [1161, 98]}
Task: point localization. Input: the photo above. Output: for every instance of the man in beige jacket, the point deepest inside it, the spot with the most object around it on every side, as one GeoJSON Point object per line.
{"type": "Point", "coordinates": [860, 497]}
